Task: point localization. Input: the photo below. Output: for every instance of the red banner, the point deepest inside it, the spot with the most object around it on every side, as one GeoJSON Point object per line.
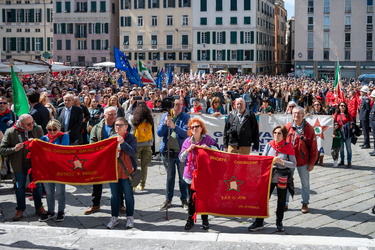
{"type": "Point", "coordinates": [232, 185]}
{"type": "Point", "coordinates": [77, 165]}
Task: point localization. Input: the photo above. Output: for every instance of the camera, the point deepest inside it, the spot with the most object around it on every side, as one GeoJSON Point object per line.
{"type": "Point", "coordinates": [137, 98]}
{"type": "Point", "coordinates": [168, 102]}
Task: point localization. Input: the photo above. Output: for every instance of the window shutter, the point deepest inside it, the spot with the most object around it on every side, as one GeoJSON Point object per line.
{"type": "Point", "coordinates": [67, 7]}
{"type": "Point", "coordinates": [122, 21]}
{"type": "Point", "coordinates": [179, 55]}
{"type": "Point", "coordinates": [98, 44]}
{"type": "Point", "coordinates": [135, 55]}
{"type": "Point", "coordinates": [97, 28]}
{"type": "Point", "coordinates": [252, 37]}
{"type": "Point", "coordinates": [48, 43]}
{"type": "Point", "coordinates": [208, 55]}
{"type": "Point", "coordinates": [31, 15]}
{"type": "Point", "coordinates": [223, 55]}
{"type": "Point", "coordinates": [70, 28]}
{"type": "Point", "coordinates": [247, 5]}
{"type": "Point", "coordinates": [92, 44]}
{"type": "Point", "coordinates": [174, 56]}
{"type": "Point", "coordinates": [165, 55]}
{"type": "Point", "coordinates": [228, 55]}
{"type": "Point", "coordinates": [63, 28]}
{"type": "Point", "coordinates": [198, 55]}
{"type": "Point", "coordinates": [106, 28]}
{"type": "Point", "coordinates": [198, 38]}
{"type": "Point", "coordinates": [58, 7]}
{"type": "Point", "coordinates": [208, 37]}
{"type": "Point", "coordinates": [214, 55]}
{"type": "Point", "coordinates": [27, 48]}
{"type": "Point", "coordinates": [252, 55]}
{"type": "Point", "coordinates": [54, 28]}
{"type": "Point", "coordinates": [4, 21]}
{"type": "Point", "coordinates": [33, 44]}
{"type": "Point", "coordinates": [48, 15]}
{"type": "Point", "coordinates": [241, 37]}
{"type": "Point", "coordinates": [214, 37]}
{"type": "Point", "coordinates": [13, 15]}
{"type": "Point", "coordinates": [223, 37]}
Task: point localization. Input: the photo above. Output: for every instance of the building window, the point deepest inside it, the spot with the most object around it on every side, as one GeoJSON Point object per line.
{"type": "Point", "coordinates": [347, 54]}
{"type": "Point", "coordinates": [310, 6]}
{"type": "Point", "coordinates": [170, 3]}
{"type": "Point", "coordinates": [369, 55]}
{"type": "Point", "coordinates": [185, 41]}
{"type": "Point", "coordinates": [154, 21]}
{"type": "Point", "coordinates": [82, 45]}
{"type": "Point", "coordinates": [68, 45]}
{"type": "Point", "coordinates": [326, 40]}
{"type": "Point", "coordinates": [38, 15]}
{"type": "Point", "coordinates": [347, 40]}
{"type": "Point", "coordinates": [326, 22]}
{"type": "Point", "coordinates": [154, 40]}
{"type": "Point", "coordinates": [233, 37]}
{"type": "Point", "coordinates": [59, 44]}
{"type": "Point", "coordinates": [204, 37]}
{"type": "Point", "coordinates": [326, 55]}
{"type": "Point", "coordinates": [219, 5]}
{"type": "Point", "coordinates": [203, 20]}
{"type": "Point", "coordinates": [139, 40]}
{"type": "Point", "coordinates": [169, 39]}
{"type": "Point", "coordinates": [327, 6]}
{"type": "Point", "coordinates": [246, 36]}
{"type": "Point", "coordinates": [310, 55]}
{"type": "Point", "coordinates": [310, 40]}
{"type": "Point", "coordinates": [348, 6]}
{"type": "Point", "coordinates": [233, 55]}
{"type": "Point", "coordinates": [38, 44]}
{"type": "Point", "coordinates": [37, 30]}
{"type": "Point", "coordinates": [369, 23]}
{"type": "Point", "coordinates": [233, 5]}
{"type": "Point", "coordinates": [219, 37]}
{"type": "Point", "coordinates": [27, 30]}
{"type": "Point", "coordinates": [233, 20]}
{"type": "Point", "coordinates": [127, 21]}
{"type": "Point", "coordinates": [8, 30]}
{"type": "Point", "coordinates": [310, 23]}
{"type": "Point", "coordinates": [369, 40]}
{"type": "Point", "coordinates": [94, 60]}
{"type": "Point", "coordinates": [247, 20]}
{"type": "Point", "coordinates": [169, 20]}
{"type": "Point", "coordinates": [185, 20]}
{"type": "Point", "coordinates": [348, 22]}
{"type": "Point", "coordinates": [219, 21]}
{"type": "Point", "coordinates": [154, 4]}
{"type": "Point", "coordinates": [155, 56]}
{"type": "Point", "coordinates": [186, 3]}
{"type": "Point", "coordinates": [126, 40]}
{"type": "Point", "coordinates": [125, 4]}
{"type": "Point", "coordinates": [139, 4]}
{"type": "Point", "coordinates": [18, 30]}
{"type": "Point", "coordinates": [140, 21]}
{"type": "Point", "coordinates": [370, 5]}
{"type": "Point", "coordinates": [203, 5]}
{"type": "Point", "coordinates": [27, 15]}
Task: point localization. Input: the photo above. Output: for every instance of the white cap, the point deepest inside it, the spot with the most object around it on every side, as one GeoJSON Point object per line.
{"type": "Point", "coordinates": [372, 93]}
{"type": "Point", "coordinates": [364, 89]}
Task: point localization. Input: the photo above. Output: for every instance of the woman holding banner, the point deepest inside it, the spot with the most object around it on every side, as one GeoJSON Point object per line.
{"type": "Point", "coordinates": [281, 175]}
{"type": "Point", "coordinates": [55, 136]}
{"type": "Point", "coordinates": [197, 137]}
{"type": "Point", "coordinates": [128, 150]}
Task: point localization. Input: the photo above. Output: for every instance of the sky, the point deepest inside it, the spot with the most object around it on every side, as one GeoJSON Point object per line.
{"type": "Point", "coordinates": [289, 6]}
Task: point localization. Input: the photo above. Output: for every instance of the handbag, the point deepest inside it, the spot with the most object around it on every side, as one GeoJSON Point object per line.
{"type": "Point", "coordinates": [134, 177]}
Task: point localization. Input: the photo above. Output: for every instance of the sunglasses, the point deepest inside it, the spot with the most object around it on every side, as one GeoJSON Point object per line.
{"type": "Point", "coordinates": [120, 125]}
{"type": "Point", "coordinates": [51, 129]}
{"type": "Point", "coordinates": [131, 95]}
{"type": "Point", "coordinates": [152, 93]}
{"type": "Point", "coordinates": [195, 127]}
{"type": "Point", "coordinates": [3, 103]}
{"type": "Point", "coordinates": [342, 105]}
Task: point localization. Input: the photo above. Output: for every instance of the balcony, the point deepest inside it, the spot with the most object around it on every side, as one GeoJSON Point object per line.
{"type": "Point", "coordinates": [369, 26]}
{"type": "Point", "coordinates": [184, 47]}
{"type": "Point", "coordinates": [347, 44]}
{"type": "Point", "coordinates": [368, 44]}
{"type": "Point", "coordinates": [169, 46]}
{"type": "Point", "coordinates": [348, 27]}
{"type": "Point", "coordinates": [154, 47]}
{"type": "Point", "coordinates": [139, 46]}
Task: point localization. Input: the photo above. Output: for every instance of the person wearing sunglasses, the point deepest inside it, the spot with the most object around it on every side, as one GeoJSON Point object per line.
{"type": "Point", "coordinates": [13, 147]}
{"type": "Point", "coordinates": [282, 177]}
{"type": "Point", "coordinates": [197, 137]}
{"type": "Point", "coordinates": [7, 117]}
{"type": "Point", "coordinates": [55, 136]}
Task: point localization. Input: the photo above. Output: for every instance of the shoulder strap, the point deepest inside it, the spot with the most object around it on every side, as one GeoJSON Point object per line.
{"type": "Point", "coordinates": [123, 166]}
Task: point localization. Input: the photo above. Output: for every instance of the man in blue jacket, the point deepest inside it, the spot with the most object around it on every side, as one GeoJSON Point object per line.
{"type": "Point", "coordinates": [173, 130]}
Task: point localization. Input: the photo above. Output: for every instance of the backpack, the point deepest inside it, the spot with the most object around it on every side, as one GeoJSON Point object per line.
{"type": "Point", "coordinates": [143, 132]}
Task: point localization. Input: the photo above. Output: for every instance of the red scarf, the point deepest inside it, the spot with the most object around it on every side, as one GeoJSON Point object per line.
{"type": "Point", "coordinates": [282, 147]}
{"type": "Point", "coordinates": [5, 112]}
{"type": "Point", "coordinates": [196, 110]}
{"type": "Point", "coordinates": [51, 139]}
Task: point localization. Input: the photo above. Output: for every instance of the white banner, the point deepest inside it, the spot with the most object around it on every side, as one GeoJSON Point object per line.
{"type": "Point", "coordinates": [323, 126]}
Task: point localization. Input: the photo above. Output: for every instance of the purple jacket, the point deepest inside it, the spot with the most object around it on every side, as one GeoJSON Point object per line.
{"type": "Point", "coordinates": [184, 157]}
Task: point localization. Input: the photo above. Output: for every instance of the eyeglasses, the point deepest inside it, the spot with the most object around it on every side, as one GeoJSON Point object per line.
{"type": "Point", "coordinates": [277, 133]}
{"type": "Point", "coordinates": [131, 95]}
{"type": "Point", "coordinates": [195, 127]}
{"type": "Point", "coordinates": [152, 93]}
{"type": "Point", "coordinates": [28, 124]}
{"type": "Point", "coordinates": [120, 125]}
{"type": "Point", "coordinates": [336, 124]}
{"type": "Point", "coordinates": [3, 103]}
{"type": "Point", "coordinates": [216, 102]}
{"type": "Point", "coordinates": [52, 129]}
{"type": "Point", "coordinates": [111, 114]}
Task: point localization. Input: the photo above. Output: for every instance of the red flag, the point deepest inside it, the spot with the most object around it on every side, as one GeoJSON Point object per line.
{"type": "Point", "coordinates": [232, 185]}
{"type": "Point", "coordinates": [77, 165]}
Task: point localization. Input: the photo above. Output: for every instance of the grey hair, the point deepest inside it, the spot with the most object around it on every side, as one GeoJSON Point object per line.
{"type": "Point", "coordinates": [107, 109]}
{"type": "Point", "coordinates": [69, 95]}
{"type": "Point", "coordinates": [24, 117]}
{"type": "Point", "coordinates": [300, 109]}
{"type": "Point", "coordinates": [239, 99]}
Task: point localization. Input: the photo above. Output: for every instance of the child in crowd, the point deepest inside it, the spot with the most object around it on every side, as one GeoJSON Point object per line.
{"type": "Point", "coordinates": [336, 143]}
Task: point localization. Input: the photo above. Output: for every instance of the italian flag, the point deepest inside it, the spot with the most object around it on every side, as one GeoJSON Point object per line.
{"type": "Point", "coordinates": [337, 84]}
{"type": "Point", "coordinates": [144, 74]}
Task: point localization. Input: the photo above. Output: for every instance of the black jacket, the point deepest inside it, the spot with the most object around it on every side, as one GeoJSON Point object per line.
{"type": "Point", "coordinates": [75, 123]}
{"type": "Point", "coordinates": [241, 135]}
{"type": "Point", "coordinates": [40, 115]}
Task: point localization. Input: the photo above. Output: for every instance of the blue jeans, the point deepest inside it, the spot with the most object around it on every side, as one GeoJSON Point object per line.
{"type": "Point", "coordinates": [174, 163]}
{"type": "Point", "coordinates": [123, 185]}
{"type": "Point", "coordinates": [304, 175]}
{"type": "Point", "coordinates": [20, 179]}
{"type": "Point", "coordinates": [279, 105]}
{"type": "Point", "coordinates": [348, 146]}
{"type": "Point", "coordinates": [60, 194]}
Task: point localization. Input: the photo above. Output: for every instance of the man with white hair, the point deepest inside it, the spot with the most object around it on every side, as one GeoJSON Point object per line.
{"type": "Point", "coordinates": [13, 147]}
{"type": "Point", "coordinates": [71, 118]}
{"type": "Point", "coordinates": [103, 130]}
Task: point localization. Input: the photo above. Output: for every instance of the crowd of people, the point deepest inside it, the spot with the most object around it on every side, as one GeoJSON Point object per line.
{"type": "Point", "coordinates": [87, 106]}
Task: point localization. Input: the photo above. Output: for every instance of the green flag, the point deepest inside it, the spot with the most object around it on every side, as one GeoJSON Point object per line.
{"type": "Point", "coordinates": [21, 105]}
